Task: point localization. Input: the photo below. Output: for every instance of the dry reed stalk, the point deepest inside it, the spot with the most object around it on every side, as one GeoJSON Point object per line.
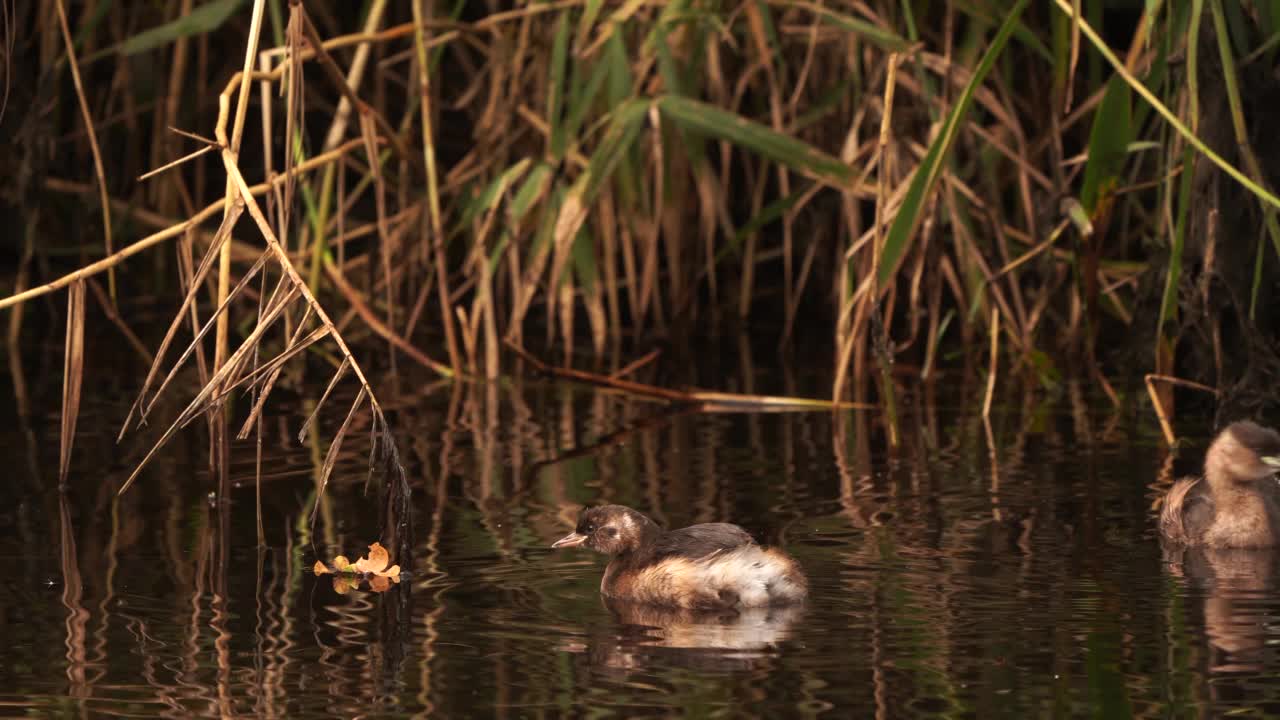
{"type": "Point", "coordinates": [275, 203]}
{"type": "Point", "coordinates": [355, 74]}
{"type": "Point", "coordinates": [109, 309]}
{"type": "Point", "coordinates": [632, 227]}
{"type": "Point", "coordinates": [293, 113]}
{"type": "Point", "coordinates": [220, 347]}
{"type": "Point", "coordinates": [993, 457]}
{"type": "Point", "coordinates": [93, 141]}
{"type": "Point", "coordinates": [485, 304]}
{"type": "Point", "coordinates": [291, 285]}
{"type": "Point", "coordinates": [186, 279]}
{"type": "Point", "coordinates": [333, 382]}
{"type": "Point", "coordinates": [1035, 251]}
{"type": "Point", "coordinates": [1018, 321]}
{"type": "Point", "coordinates": [201, 403]}
{"type": "Point", "coordinates": [802, 282]}
{"type": "Point", "coordinates": [167, 233]}
{"type": "Point", "coordinates": [468, 338]}
{"type": "Point", "coordinates": [566, 296]}
{"type": "Point", "coordinates": [701, 400]}
{"type": "Point", "coordinates": [170, 195]}
{"type": "Point", "coordinates": [193, 286]}
{"type": "Point", "coordinates": [650, 301]}
{"type": "Point", "coordinates": [993, 363]}
{"type": "Point", "coordinates": [8, 39]}
{"type": "Point", "coordinates": [13, 334]}
{"type": "Point", "coordinates": [282, 258]}
{"type": "Point", "coordinates": [231, 375]}
{"type": "Point", "coordinates": [637, 364]}
{"type": "Point", "coordinates": [1161, 414]}
{"type": "Point", "coordinates": [845, 329]}
{"type": "Point", "coordinates": [609, 242]}
{"type": "Point", "coordinates": [371, 319]}
{"type": "Point", "coordinates": [72, 377]}
{"type": "Point", "coordinates": [419, 305]}
{"type": "Point", "coordinates": [259, 394]}
{"type": "Point", "coordinates": [257, 487]}
{"type": "Point", "coordinates": [437, 236]}
{"type": "Point", "coordinates": [339, 81]}
{"type": "Point", "coordinates": [331, 457]}
{"type": "Point", "coordinates": [175, 163]}
{"type": "Point", "coordinates": [273, 369]}
{"type": "Point", "coordinates": [385, 246]}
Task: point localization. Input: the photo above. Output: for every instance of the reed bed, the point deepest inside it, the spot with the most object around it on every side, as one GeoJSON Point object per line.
{"type": "Point", "coordinates": [974, 188]}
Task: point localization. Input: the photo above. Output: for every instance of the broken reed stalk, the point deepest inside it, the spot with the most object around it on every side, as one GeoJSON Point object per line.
{"type": "Point", "coordinates": [701, 400]}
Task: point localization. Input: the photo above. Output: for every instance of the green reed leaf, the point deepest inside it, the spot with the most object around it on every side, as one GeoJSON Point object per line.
{"type": "Point", "coordinates": [206, 18]}
{"type": "Point", "coordinates": [911, 212]}
{"type": "Point", "coordinates": [798, 155]}
{"type": "Point", "coordinates": [884, 38]}
{"type": "Point", "coordinates": [1108, 143]}
{"type": "Point", "coordinates": [555, 88]}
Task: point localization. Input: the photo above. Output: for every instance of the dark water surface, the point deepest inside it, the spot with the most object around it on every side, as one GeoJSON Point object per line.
{"type": "Point", "coordinates": [1010, 574]}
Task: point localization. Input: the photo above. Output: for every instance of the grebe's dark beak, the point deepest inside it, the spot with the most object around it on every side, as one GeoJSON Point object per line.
{"type": "Point", "coordinates": [573, 539]}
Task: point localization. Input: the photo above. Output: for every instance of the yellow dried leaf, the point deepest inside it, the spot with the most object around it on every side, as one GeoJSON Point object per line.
{"type": "Point", "coordinates": [321, 569]}
{"type": "Point", "coordinates": [391, 572]}
{"type": "Point", "coordinates": [341, 564]}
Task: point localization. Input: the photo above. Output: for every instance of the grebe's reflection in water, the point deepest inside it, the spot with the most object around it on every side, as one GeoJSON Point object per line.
{"type": "Point", "coordinates": [709, 640]}
{"type": "Point", "coordinates": [1241, 607]}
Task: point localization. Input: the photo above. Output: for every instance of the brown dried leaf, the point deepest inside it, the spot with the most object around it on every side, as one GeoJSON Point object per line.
{"type": "Point", "coordinates": [376, 562]}
{"type": "Point", "coordinates": [347, 575]}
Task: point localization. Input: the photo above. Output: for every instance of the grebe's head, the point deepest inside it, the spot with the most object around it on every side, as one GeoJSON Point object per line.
{"type": "Point", "coordinates": [609, 529]}
{"type": "Point", "coordinates": [1243, 452]}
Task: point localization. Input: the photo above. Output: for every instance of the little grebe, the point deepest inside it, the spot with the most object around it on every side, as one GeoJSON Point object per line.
{"type": "Point", "coordinates": [707, 566]}
{"type": "Point", "coordinates": [1237, 502]}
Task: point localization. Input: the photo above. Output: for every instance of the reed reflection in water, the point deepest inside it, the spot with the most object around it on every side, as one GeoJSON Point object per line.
{"type": "Point", "coordinates": [1001, 569]}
